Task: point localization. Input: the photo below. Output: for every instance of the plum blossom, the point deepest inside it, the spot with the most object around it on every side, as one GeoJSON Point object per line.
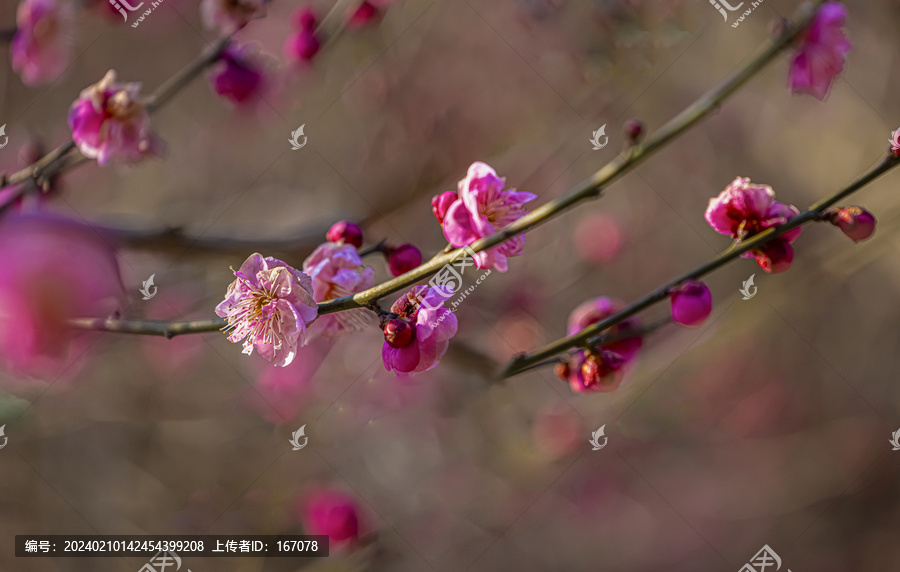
{"type": "Point", "coordinates": [333, 513]}
{"type": "Point", "coordinates": [743, 210]}
{"type": "Point", "coordinates": [302, 46]}
{"type": "Point", "coordinates": [602, 368]}
{"type": "Point", "coordinates": [482, 208]}
{"type": "Point", "coordinates": [54, 269]}
{"type": "Point", "coordinates": [109, 122]}
{"type": "Point", "coordinates": [229, 16]}
{"type": "Point", "coordinates": [238, 75]}
{"type": "Point", "coordinates": [420, 344]}
{"type": "Point", "coordinates": [855, 222]}
{"type": "Point", "coordinates": [895, 143]}
{"type": "Point", "coordinates": [822, 52]}
{"type": "Point", "coordinates": [691, 303]}
{"type": "Point", "coordinates": [337, 270]}
{"type": "Point", "coordinates": [42, 47]}
{"type": "Point", "coordinates": [269, 306]}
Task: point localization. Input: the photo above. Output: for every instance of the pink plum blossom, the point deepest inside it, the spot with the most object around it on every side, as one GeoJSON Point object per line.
{"type": "Point", "coordinates": [42, 47]}
{"type": "Point", "coordinates": [743, 210]}
{"type": "Point", "coordinates": [54, 270]}
{"type": "Point", "coordinates": [270, 304]}
{"type": "Point", "coordinates": [332, 513]}
{"type": "Point", "coordinates": [432, 327]}
{"type": "Point", "coordinates": [603, 368]}
{"type": "Point", "coordinates": [691, 303]}
{"type": "Point", "coordinates": [895, 143]}
{"type": "Point", "coordinates": [238, 75]}
{"type": "Point", "coordinates": [482, 208]}
{"type": "Point", "coordinates": [108, 121]}
{"type": "Point", "coordinates": [337, 270]}
{"type": "Point", "coordinates": [822, 52]}
{"type": "Point", "coordinates": [229, 16]}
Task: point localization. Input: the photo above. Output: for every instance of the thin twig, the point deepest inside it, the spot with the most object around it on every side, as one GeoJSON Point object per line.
{"type": "Point", "coordinates": [522, 362]}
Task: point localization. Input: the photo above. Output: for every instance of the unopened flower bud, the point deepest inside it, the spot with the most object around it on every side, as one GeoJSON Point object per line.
{"type": "Point", "coordinates": [403, 258]}
{"type": "Point", "coordinates": [634, 130]}
{"type": "Point", "coordinates": [399, 333]}
{"type": "Point", "coordinates": [345, 232]}
{"type": "Point", "coordinates": [775, 256]}
{"type": "Point", "coordinates": [364, 14]}
{"type": "Point", "coordinates": [441, 203]}
{"type": "Point", "coordinates": [691, 303]}
{"type": "Point", "coordinates": [855, 222]}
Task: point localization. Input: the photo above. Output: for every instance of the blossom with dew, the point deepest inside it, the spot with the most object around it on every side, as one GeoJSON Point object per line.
{"type": "Point", "coordinates": [345, 232]}
{"type": "Point", "coordinates": [337, 270]}
{"type": "Point", "coordinates": [822, 52]}
{"type": "Point", "coordinates": [54, 269]}
{"type": "Point", "coordinates": [895, 143]}
{"type": "Point", "coordinates": [401, 259]}
{"type": "Point", "coordinates": [603, 367]}
{"type": "Point", "coordinates": [302, 46]}
{"type": "Point", "coordinates": [691, 303]}
{"type": "Point", "coordinates": [333, 513]}
{"type": "Point", "coordinates": [269, 306]}
{"type": "Point", "coordinates": [856, 222]}
{"type": "Point", "coordinates": [109, 122]}
{"type": "Point", "coordinates": [42, 46]}
{"type": "Point", "coordinates": [743, 210]}
{"type": "Point", "coordinates": [229, 16]}
{"type": "Point", "coordinates": [482, 208]}
{"type": "Point", "coordinates": [238, 75]}
{"type": "Point", "coordinates": [419, 343]}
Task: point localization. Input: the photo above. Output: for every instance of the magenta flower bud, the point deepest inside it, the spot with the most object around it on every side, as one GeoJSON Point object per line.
{"type": "Point", "coordinates": [776, 256]}
{"type": "Point", "coordinates": [634, 130]}
{"type": "Point", "coordinates": [302, 47]}
{"type": "Point", "coordinates": [855, 222]}
{"type": "Point", "coordinates": [332, 513]}
{"type": "Point", "coordinates": [366, 13]}
{"type": "Point", "coordinates": [237, 75]}
{"type": "Point", "coordinates": [691, 303]}
{"type": "Point", "coordinates": [304, 18]}
{"type": "Point", "coordinates": [403, 259]}
{"type": "Point", "coordinates": [441, 203]}
{"type": "Point", "coordinates": [345, 232]}
{"type": "Point", "coordinates": [399, 333]}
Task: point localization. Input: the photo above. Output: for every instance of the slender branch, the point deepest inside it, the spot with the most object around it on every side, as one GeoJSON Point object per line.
{"type": "Point", "coordinates": [7, 34]}
{"type": "Point", "coordinates": [590, 188]}
{"type": "Point", "coordinates": [522, 362]}
{"type": "Point", "coordinates": [148, 328]}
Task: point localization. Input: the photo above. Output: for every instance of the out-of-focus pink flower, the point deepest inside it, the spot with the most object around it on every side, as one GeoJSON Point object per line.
{"type": "Point", "coordinates": [603, 368]}
{"type": "Point", "coordinates": [598, 238]}
{"type": "Point", "coordinates": [691, 303]}
{"type": "Point", "coordinates": [42, 47]}
{"type": "Point", "coordinates": [822, 52]}
{"type": "Point", "coordinates": [743, 210]}
{"type": "Point", "coordinates": [238, 75]}
{"type": "Point", "coordinates": [336, 270]}
{"type": "Point", "coordinates": [556, 432]}
{"type": "Point", "coordinates": [53, 270]}
{"type": "Point", "coordinates": [483, 207]}
{"type": "Point", "coordinates": [895, 143]}
{"type": "Point", "coordinates": [303, 45]}
{"type": "Point", "coordinates": [433, 326]}
{"type": "Point", "coordinates": [345, 232]}
{"type": "Point", "coordinates": [403, 258]}
{"type": "Point", "coordinates": [855, 222]}
{"type": "Point", "coordinates": [440, 204]}
{"type": "Point", "coordinates": [280, 393]}
{"type": "Point", "coordinates": [364, 14]}
{"type": "Point", "coordinates": [333, 513]}
{"type": "Point", "coordinates": [109, 122]}
{"type": "Point", "coordinates": [228, 16]}
{"type": "Point", "coordinates": [270, 304]}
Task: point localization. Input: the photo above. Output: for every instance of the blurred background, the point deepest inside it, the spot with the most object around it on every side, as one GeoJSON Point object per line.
{"type": "Point", "coordinates": [768, 425]}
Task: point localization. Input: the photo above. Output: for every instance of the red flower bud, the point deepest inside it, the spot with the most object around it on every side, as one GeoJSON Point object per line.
{"type": "Point", "coordinates": [345, 232]}
{"type": "Point", "coordinates": [441, 203]}
{"type": "Point", "coordinates": [365, 13]}
{"type": "Point", "coordinates": [634, 130]}
{"type": "Point", "coordinates": [403, 259]}
{"type": "Point", "coordinates": [399, 333]}
{"type": "Point", "coordinates": [691, 303]}
{"type": "Point", "coordinates": [855, 222]}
